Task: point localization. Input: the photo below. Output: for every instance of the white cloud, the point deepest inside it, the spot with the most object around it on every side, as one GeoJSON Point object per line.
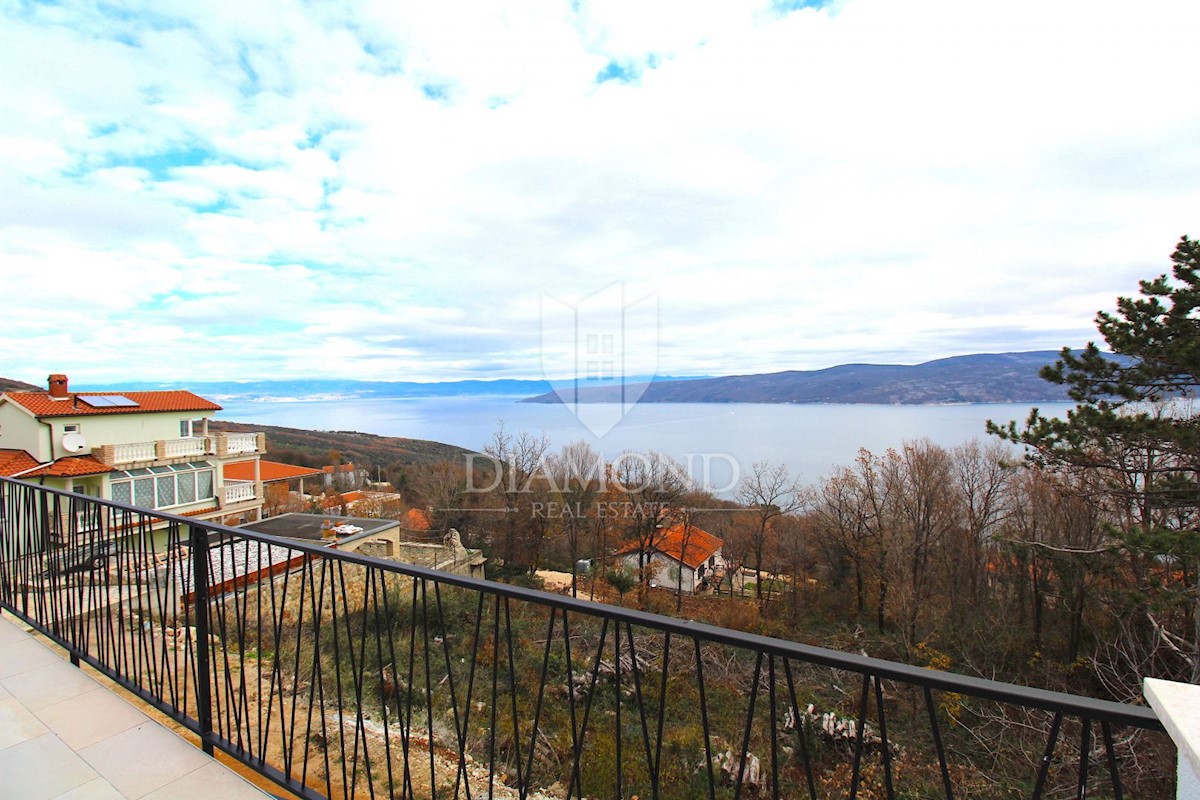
{"type": "Point", "coordinates": [373, 190]}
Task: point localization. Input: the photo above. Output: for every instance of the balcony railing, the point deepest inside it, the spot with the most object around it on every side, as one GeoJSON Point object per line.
{"type": "Point", "coordinates": [184, 448]}
{"type": "Point", "coordinates": [239, 491]}
{"type": "Point", "coordinates": [221, 445]}
{"type": "Point", "coordinates": [242, 443]}
{"type": "Point", "coordinates": [134, 452]}
{"type": "Point", "coordinates": [339, 675]}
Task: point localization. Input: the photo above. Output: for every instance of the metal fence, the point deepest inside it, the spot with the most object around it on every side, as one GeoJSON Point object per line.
{"type": "Point", "coordinates": [340, 675]}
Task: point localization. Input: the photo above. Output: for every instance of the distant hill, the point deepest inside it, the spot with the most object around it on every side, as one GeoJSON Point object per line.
{"type": "Point", "coordinates": [980, 378]}
{"type": "Point", "coordinates": [335, 389]}
{"type": "Point", "coordinates": [312, 448]}
{"type": "Point", "coordinates": [8, 385]}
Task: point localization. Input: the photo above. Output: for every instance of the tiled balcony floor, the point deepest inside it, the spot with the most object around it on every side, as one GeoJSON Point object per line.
{"type": "Point", "coordinates": [63, 735]}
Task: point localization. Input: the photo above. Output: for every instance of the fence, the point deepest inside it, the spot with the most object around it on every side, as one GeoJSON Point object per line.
{"type": "Point", "coordinates": [340, 675]}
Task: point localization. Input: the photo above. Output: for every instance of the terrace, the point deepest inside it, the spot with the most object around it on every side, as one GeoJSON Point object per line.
{"type": "Point", "coordinates": [335, 674]}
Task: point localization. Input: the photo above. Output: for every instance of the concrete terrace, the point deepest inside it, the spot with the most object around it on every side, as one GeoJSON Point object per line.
{"type": "Point", "coordinates": [66, 736]}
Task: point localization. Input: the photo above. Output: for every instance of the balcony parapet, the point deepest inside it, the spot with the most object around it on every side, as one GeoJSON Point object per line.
{"type": "Point", "coordinates": [220, 445]}
{"type": "Point", "coordinates": [241, 492]}
{"type": "Point", "coordinates": [236, 444]}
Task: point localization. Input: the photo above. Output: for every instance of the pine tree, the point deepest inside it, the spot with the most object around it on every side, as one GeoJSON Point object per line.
{"type": "Point", "coordinates": [1133, 439]}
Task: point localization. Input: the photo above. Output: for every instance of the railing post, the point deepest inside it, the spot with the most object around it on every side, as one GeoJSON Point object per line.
{"type": "Point", "coordinates": [1176, 705]}
{"type": "Point", "coordinates": [198, 541]}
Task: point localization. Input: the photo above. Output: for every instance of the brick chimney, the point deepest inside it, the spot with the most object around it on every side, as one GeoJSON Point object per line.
{"type": "Point", "coordinates": [58, 387]}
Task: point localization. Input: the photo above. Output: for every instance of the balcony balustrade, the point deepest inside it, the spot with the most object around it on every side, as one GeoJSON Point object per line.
{"type": "Point", "coordinates": [134, 452]}
{"type": "Point", "coordinates": [340, 675]}
{"type": "Point", "coordinates": [185, 448]}
{"type": "Point", "coordinates": [241, 443]}
{"type": "Point", "coordinates": [220, 445]}
{"type": "Point", "coordinates": [240, 492]}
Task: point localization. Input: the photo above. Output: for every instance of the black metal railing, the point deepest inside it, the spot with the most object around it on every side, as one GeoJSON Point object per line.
{"type": "Point", "coordinates": [340, 675]}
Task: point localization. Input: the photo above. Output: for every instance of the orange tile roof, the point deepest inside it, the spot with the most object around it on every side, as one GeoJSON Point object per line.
{"type": "Point", "coordinates": [332, 468]}
{"type": "Point", "coordinates": [346, 498]}
{"type": "Point", "coordinates": [415, 520]}
{"type": "Point", "coordinates": [268, 471]}
{"type": "Point", "coordinates": [70, 467]}
{"type": "Point", "coordinates": [198, 511]}
{"type": "Point", "coordinates": [13, 462]}
{"type": "Point", "coordinates": [700, 545]}
{"type": "Point", "coordinates": [41, 404]}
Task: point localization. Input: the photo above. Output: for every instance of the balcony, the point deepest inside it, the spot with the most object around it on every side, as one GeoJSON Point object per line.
{"type": "Point", "coordinates": [240, 492]}
{"type": "Point", "coordinates": [239, 443]}
{"type": "Point", "coordinates": [340, 675]}
{"type": "Point", "coordinates": [219, 445]}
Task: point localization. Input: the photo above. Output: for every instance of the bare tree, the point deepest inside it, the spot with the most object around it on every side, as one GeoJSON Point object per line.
{"type": "Point", "coordinates": [577, 473]}
{"type": "Point", "coordinates": [839, 512]}
{"type": "Point", "coordinates": [651, 482]}
{"type": "Point", "coordinates": [521, 481]}
{"type": "Point", "coordinates": [770, 492]}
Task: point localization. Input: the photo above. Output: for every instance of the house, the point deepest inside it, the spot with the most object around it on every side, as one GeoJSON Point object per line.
{"type": "Point", "coordinates": [343, 477]}
{"type": "Point", "coordinates": [677, 553]}
{"type": "Point", "coordinates": [153, 450]}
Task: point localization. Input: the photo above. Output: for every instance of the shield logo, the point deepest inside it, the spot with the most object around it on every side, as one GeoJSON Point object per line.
{"type": "Point", "coordinates": [600, 354]}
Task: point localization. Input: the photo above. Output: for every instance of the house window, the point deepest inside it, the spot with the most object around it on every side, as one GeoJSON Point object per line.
{"type": "Point", "coordinates": [71, 428]}
{"type": "Point", "coordinates": [165, 486]}
{"type": "Point", "coordinates": [191, 427]}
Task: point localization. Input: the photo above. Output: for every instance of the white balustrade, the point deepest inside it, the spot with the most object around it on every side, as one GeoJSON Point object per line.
{"type": "Point", "coordinates": [183, 448]}
{"type": "Point", "coordinates": [239, 492]}
{"type": "Point", "coordinates": [134, 451]}
{"type": "Point", "coordinates": [242, 443]}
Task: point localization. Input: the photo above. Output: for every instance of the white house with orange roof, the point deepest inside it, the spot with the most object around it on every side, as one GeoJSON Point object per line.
{"type": "Point", "coordinates": [679, 556]}
{"type": "Point", "coordinates": [153, 450]}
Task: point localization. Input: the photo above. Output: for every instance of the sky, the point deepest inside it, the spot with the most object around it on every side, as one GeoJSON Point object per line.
{"type": "Point", "coordinates": [421, 191]}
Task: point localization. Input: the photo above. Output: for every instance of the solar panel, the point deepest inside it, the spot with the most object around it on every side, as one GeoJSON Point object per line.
{"type": "Point", "coordinates": [108, 401]}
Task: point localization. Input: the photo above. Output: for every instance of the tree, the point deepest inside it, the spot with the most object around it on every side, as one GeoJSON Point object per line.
{"type": "Point", "coordinates": [770, 492]}
{"type": "Point", "coordinates": [651, 482]}
{"type": "Point", "coordinates": [578, 473]}
{"type": "Point", "coordinates": [520, 483]}
{"type": "Point", "coordinates": [620, 579]}
{"type": "Point", "coordinates": [684, 517]}
{"type": "Point", "coordinates": [840, 520]}
{"type": "Point", "coordinates": [1137, 437]}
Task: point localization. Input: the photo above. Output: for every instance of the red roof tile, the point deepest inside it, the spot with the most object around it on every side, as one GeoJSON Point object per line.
{"type": "Point", "coordinates": [700, 545]}
{"type": "Point", "coordinates": [41, 404]}
{"type": "Point", "coordinates": [198, 511]}
{"type": "Point", "coordinates": [70, 467]}
{"type": "Point", "coordinates": [13, 462]}
{"type": "Point", "coordinates": [346, 498]}
{"type": "Point", "coordinates": [332, 468]}
{"type": "Point", "coordinates": [267, 470]}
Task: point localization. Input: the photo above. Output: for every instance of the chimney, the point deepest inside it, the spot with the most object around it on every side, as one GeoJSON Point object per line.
{"type": "Point", "coordinates": [58, 387]}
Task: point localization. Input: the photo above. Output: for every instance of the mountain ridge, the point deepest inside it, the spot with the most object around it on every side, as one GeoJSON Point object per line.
{"type": "Point", "coordinates": [973, 378]}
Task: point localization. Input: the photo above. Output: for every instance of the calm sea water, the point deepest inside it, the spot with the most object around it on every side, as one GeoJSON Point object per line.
{"type": "Point", "coordinates": [718, 441]}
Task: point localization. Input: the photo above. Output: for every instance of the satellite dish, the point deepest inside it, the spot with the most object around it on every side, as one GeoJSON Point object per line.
{"type": "Point", "coordinates": [74, 442]}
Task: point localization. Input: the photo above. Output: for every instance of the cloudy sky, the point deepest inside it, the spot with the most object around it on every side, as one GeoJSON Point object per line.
{"type": "Point", "coordinates": [397, 191]}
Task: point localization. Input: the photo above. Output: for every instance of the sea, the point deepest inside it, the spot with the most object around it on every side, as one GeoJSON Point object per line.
{"type": "Point", "coordinates": [718, 443]}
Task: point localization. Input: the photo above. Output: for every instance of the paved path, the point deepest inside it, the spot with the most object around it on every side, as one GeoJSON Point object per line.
{"type": "Point", "coordinates": [64, 736]}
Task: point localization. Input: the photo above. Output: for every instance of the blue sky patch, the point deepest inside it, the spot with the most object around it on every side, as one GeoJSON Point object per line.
{"type": "Point", "coordinates": [614, 71]}
{"type": "Point", "coordinates": [788, 6]}
{"type": "Point", "coordinates": [160, 164]}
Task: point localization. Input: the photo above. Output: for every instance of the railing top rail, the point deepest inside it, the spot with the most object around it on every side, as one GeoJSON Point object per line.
{"type": "Point", "coordinates": [1072, 705]}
